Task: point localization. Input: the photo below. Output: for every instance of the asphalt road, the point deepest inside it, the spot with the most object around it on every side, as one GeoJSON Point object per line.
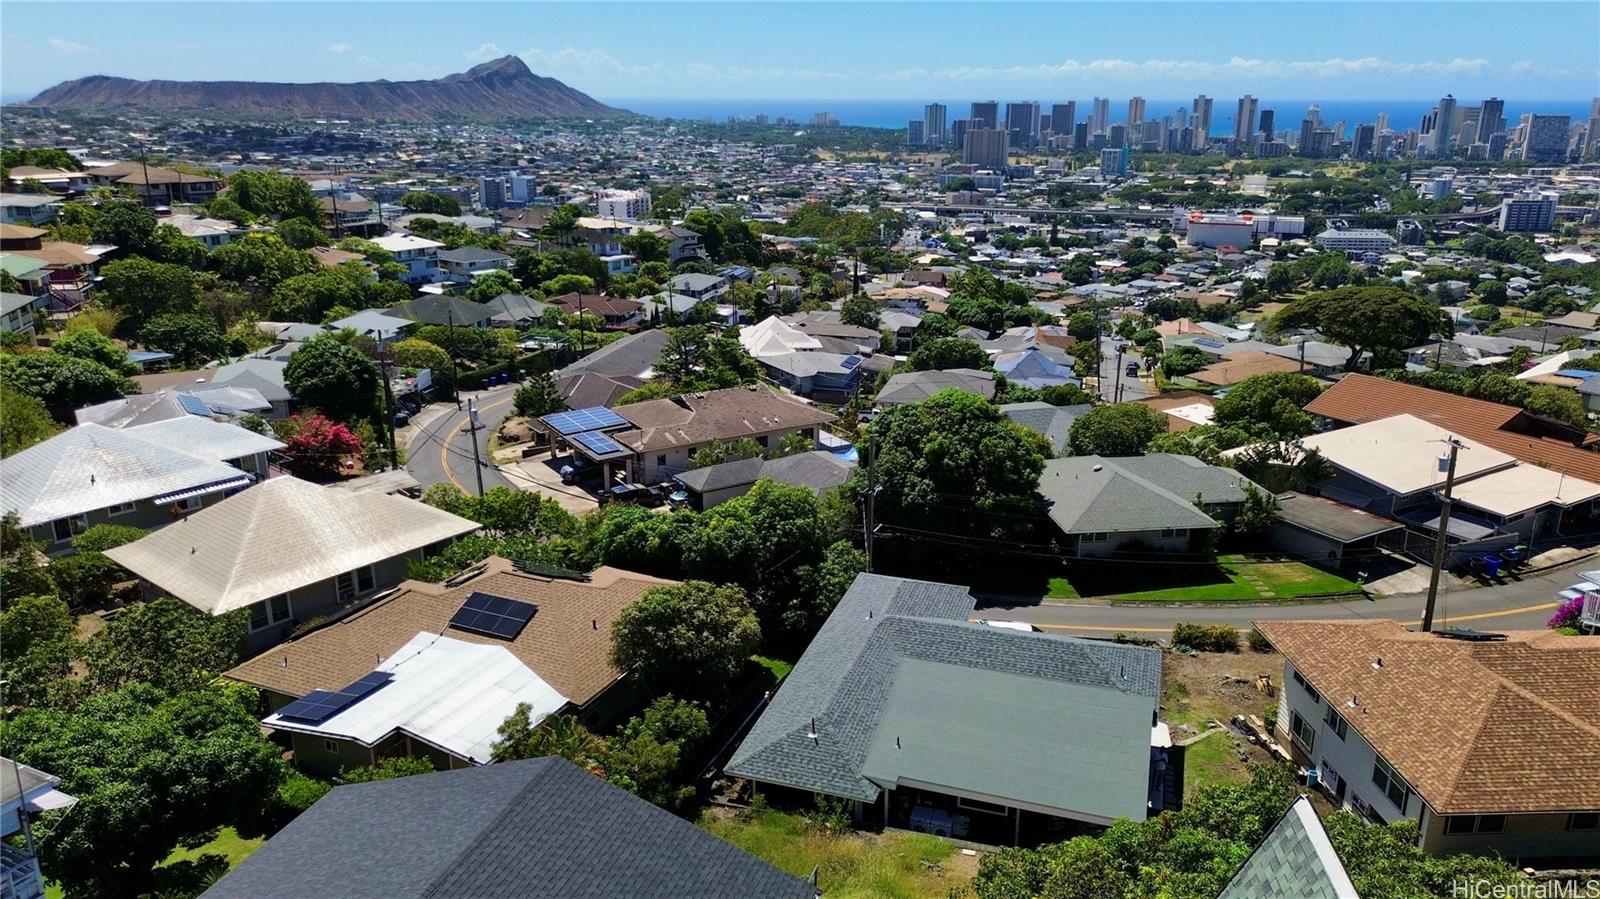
{"type": "Point", "coordinates": [1132, 388]}
{"type": "Point", "coordinates": [1517, 605]}
{"type": "Point", "coordinates": [438, 451]}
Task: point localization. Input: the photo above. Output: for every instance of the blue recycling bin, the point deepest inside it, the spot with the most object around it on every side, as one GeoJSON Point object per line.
{"type": "Point", "coordinates": [1491, 565]}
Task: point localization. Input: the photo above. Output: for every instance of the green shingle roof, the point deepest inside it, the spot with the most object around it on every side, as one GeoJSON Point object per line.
{"type": "Point", "coordinates": [1295, 859]}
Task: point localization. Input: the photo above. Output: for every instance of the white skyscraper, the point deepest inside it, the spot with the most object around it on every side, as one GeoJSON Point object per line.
{"type": "Point", "coordinates": [1099, 115]}
{"type": "Point", "coordinates": [1444, 128]}
{"type": "Point", "coordinates": [1244, 122]}
{"type": "Point", "coordinates": [1202, 119]}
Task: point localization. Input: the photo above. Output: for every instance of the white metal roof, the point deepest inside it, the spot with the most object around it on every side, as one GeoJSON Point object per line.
{"type": "Point", "coordinates": [1522, 488]}
{"type": "Point", "coordinates": [281, 535]}
{"type": "Point", "coordinates": [92, 467]}
{"type": "Point", "coordinates": [775, 337]}
{"type": "Point", "coordinates": [1401, 453]}
{"type": "Point", "coordinates": [446, 692]}
{"type": "Point", "coordinates": [205, 437]}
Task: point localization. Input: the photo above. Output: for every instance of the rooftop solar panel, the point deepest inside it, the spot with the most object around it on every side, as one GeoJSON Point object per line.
{"type": "Point", "coordinates": [193, 405]}
{"type": "Point", "coordinates": [580, 420]}
{"type": "Point", "coordinates": [320, 705]}
{"type": "Point", "coordinates": [493, 616]}
{"type": "Point", "coordinates": [850, 362]}
{"type": "Point", "coordinates": [598, 443]}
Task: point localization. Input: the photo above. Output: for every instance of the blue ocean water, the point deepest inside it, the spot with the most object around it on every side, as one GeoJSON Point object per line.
{"type": "Point", "coordinates": [1403, 114]}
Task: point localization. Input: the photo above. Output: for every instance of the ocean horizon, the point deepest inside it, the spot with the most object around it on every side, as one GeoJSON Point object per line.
{"type": "Point", "coordinates": [894, 114]}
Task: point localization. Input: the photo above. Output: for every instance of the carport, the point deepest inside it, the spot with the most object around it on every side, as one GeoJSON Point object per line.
{"type": "Point", "coordinates": [587, 432]}
{"type": "Point", "coordinates": [1325, 532]}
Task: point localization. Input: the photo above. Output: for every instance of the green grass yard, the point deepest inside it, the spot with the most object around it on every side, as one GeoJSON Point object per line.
{"type": "Point", "coordinates": [228, 845]}
{"type": "Point", "coordinates": [850, 865]}
{"type": "Point", "coordinates": [1236, 578]}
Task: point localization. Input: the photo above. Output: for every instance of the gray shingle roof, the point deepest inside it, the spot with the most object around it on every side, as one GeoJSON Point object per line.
{"type": "Point", "coordinates": [1054, 422]}
{"type": "Point", "coordinates": [916, 386]}
{"type": "Point", "coordinates": [1093, 494]}
{"type": "Point", "coordinates": [898, 658]}
{"type": "Point", "coordinates": [630, 356]}
{"type": "Point", "coordinates": [538, 828]}
{"type": "Point", "coordinates": [819, 469]}
{"type": "Point", "coordinates": [1296, 858]}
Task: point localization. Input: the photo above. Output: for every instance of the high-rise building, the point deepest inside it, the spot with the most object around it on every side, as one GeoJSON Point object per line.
{"type": "Point", "coordinates": [914, 135]}
{"type": "Point", "coordinates": [1365, 142]}
{"type": "Point", "coordinates": [1546, 138]}
{"type": "Point", "coordinates": [986, 148]}
{"type": "Point", "coordinates": [1267, 123]}
{"type": "Point", "coordinates": [1080, 135]}
{"type": "Point", "coordinates": [1114, 162]}
{"type": "Point", "coordinates": [491, 192]}
{"type": "Point", "coordinates": [958, 133]}
{"type": "Point", "coordinates": [1593, 150]}
{"type": "Point", "coordinates": [1022, 120]}
{"type": "Point", "coordinates": [984, 115]}
{"type": "Point", "coordinates": [1307, 145]}
{"type": "Point", "coordinates": [1491, 119]}
{"type": "Point", "coordinates": [1244, 121]}
{"type": "Point", "coordinates": [1202, 120]}
{"type": "Point", "coordinates": [1099, 116]}
{"type": "Point", "coordinates": [933, 120]}
{"type": "Point", "coordinates": [623, 204]}
{"type": "Point", "coordinates": [1135, 111]}
{"type": "Point", "coordinates": [1117, 136]}
{"type": "Point", "coordinates": [1532, 211]}
{"type": "Point", "coordinates": [1063, 116]}
{"type": "Point", "coordinates": [1314, 113]}
{"type": "Point", "coordinates": [1444, 127]}
{"type": "Point", "coordinates": [1383, 123]}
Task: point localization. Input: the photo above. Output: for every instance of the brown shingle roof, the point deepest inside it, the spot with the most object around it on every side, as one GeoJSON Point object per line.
{"type": "Point", "coordinates": [1245, 365]}
{"type": "Point", "coordinates": [728, 414]}
{"type": "Point", "coordinates": [1473, 727]}
{"type": "Point", "coordinates": [1358, 399]}
{"type": "Point", "coordinates": [565, 643]}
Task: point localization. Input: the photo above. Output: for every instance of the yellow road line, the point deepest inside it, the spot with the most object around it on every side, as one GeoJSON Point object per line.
{"type": "Point", "coordinates": [1476, 616]}
{"type": "Point", "coordinates": [455, 431]}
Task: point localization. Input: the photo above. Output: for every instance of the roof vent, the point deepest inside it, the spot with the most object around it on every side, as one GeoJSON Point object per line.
{"type": "Point", "coordinates": [812, 733]}
{"type": "Point", "coordinates": [1377, 664]}
{"type": "Point", "coordinates": [1471, 636]}
{"type": "Point", "coordinates": [1098, 468]}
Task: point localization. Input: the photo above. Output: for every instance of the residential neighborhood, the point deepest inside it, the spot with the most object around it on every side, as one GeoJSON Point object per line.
{"type": "Point", "coordinates": [451, 483]}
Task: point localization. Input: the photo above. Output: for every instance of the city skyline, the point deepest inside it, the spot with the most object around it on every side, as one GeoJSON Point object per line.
{"type": "Point", "coordinates": [1543, 51]}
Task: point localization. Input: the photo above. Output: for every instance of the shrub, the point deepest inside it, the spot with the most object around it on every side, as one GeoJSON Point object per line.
{"type": "Point", "coordinates": [1567, 614]}
{"type": "Point", "coordinates": [830, 816]}
{"type": "Point", "coordinates": [1205, 637]}
{"type": "Point", "coordinates": [316, 445]}
{"type": "Point", "coordinates": [86, 579]}
{"type": "Point", "coordinates": [1269, 717]}
{"type": "Point", "coordinates": [102, 537]}
{"type": "Point", "coordinates": [300, 792]}
{"type": "Point", "coordinates": [399, 766]}
{"type": "Point", "coordinates": [1258, 641]}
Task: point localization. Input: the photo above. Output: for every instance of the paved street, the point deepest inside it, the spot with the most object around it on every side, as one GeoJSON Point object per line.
{"type": "Point", "coordinates": [437, 449]}
{"type": "Point", "coordinates": [1132, 388]}
{"type": "Point", "coordinates": [1517, 605]}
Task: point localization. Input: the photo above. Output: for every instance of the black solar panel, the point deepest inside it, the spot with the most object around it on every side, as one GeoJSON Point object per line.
{"type": "Point", "coordinates": [320, 705]}
{"type": "Point", "coordinates": [493, 616]}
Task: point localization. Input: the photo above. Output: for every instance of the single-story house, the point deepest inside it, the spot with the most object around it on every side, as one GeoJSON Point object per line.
{"type": "Point", "coordinates": [818, 470]}
{"type": "Point", "coordinates": [916, 386]}
{"type": "Point", "coordinates": [1473, 739]}
{"type": "Point", "coordinates": [455, 660]}
{"type": "Point", "coordinates": [438, 309]}
{"type": "Point", "coordinates": [25, 791]}
{"type": "Point", "coordinates": [824, 377]}
{"type": "Point", "coordinates": [697, 285]}
{"type": "Point", "coordinates": [513, 310]}
{"type": "Point", "coordinates": [146, 476]}
{"type": "Point", "coordinates": [898, 703]}
{"type": "Point", "coordinates": [618, 314]}
{"type": "Point", "coordinates": [382, 327]}
{"type": "Point", "coordinates": [666, 432]}
{"type": "Point", "coordinates": [1160, 502]}
{"type": "Point", "coordinates": [1329, 533]}
{"type": "Point", "coordinates": [536, 828]}
{"type": "Point", "coordinates": [599, 378]}
{"type": "Point", "coordinates": [464, 264]}
{"type": "Point", "coordinates": [1054, 423]}
{"type": "Point", "coordinates": [1037, 367]}
{"type": "Point", "coordinates": [289, 551]}
{"type": "Point", "coordinates": [17, 311]}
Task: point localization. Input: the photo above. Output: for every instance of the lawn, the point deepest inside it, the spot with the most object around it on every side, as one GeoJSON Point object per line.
{"type": "Point", "coordinates": [184, 868]}
{"type": "Point", "coordinates": [850, 865]}
{"type": "Point", "coordinates": [1236, 578]}
{"type": "Point", "coordinates": [1197, 690]}
{"type": "Point", "coordinates": [780, 669]}
{"type": "Point", "coordinates": [228, 844]}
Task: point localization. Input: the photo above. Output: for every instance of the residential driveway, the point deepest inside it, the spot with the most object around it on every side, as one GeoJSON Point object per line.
{"type": "Point", "coordinates": [541, 474]}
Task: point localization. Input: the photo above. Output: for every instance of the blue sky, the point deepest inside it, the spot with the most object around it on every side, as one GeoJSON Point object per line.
{"type": "Point", "coordinates": [1364, 50]}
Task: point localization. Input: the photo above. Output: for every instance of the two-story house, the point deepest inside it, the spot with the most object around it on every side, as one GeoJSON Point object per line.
{"type": "Point", "coordinates": [1479, 738]}
{"type": "Point", "coordinates": [157, 186]}
{"type": "Point", "coordinates": [419, 255]}
{"type": "Point", "coordinates": [463, 265]}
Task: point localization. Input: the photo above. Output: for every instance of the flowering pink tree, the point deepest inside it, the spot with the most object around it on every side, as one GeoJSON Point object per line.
{"type": "Point", "coordinates": [1567, 614]}
{"type": "Point", "coordinates": [317, 446]}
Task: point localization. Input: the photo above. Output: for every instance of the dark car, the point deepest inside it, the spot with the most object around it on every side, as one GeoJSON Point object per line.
{"type": "Point", "coordinates": [579, 469]}
{"type": "Point", "coordinates": [1132, 370]}
{"type": "Point", "coordinates": [637, 494]}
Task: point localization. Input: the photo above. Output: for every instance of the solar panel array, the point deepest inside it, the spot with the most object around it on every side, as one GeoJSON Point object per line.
{"type": "Point", "coordinates": [850, 362]}
{"type": "Point", "coordinates": [580, 420]}
{"type": "Point", "coordinates": [493, 616]}
{"type": "Point", "coordinates": [320, 705]}
{"type": "Point", "coordinates": [194, 405]}
{"type": "Point", "coordinates": [598, 443]}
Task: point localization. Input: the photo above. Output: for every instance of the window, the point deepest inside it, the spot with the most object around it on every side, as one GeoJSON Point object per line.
{"type": "Point", "coordinates": [354, 583]}
{"type": "Point", "coordinates": [1463, 824]}
{"type": "Point", "coordinates": [1335, 722]}
{"type": "Point", "coordinates": [67, 528]}
{"type": "Point", "coordinates": [1583, 821]}
{"type": "Point", "coordinates": [330, 746]}
{"type": "Point", "coordinates": [1306, 685]}
{"type": "Point", "coordinates": [190, 504]}
{"type": "Point", "coordinates": [661, 460]}
{"type": "Point", "coordinates": [121, 508]}
{"type": "Point", "coordinates": [268, 612]}
{"type": "Point", "coordinates": [1303, 732]}
{"type": "Point", "coordinates": [1096, 537]}
{"type": "Point", "coordinates": [1391, 783]}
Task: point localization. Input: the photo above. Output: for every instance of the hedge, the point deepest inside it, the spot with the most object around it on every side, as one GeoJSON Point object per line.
{"type": "Point", "coordinates": [531, 363]}
{"type": "Point", "coordinates": [1206, 637]}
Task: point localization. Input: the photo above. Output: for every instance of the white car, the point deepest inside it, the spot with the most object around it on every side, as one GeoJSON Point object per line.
{"type": "Point", "coordinates": [1010, 625]}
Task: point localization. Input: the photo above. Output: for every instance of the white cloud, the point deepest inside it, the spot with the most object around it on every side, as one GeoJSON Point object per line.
{"type": "Point", "coordinates": [340, 47]}
{"type": "Point", "coordinates": [570, 62]}
{"type": "Point", "coordinates": [1237, 67]}
{"type": "Point", "coordinates": [485, 52]}
{"type": "Point", "coordinates": [62, 45]}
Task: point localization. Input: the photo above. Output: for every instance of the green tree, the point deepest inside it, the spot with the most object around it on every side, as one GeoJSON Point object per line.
{"type": "Point", "coordinates": [1184, 360]}
{"type": "Point", "coordinates": [168, 244]}
{"type": "Point", "coordinates": [334, 378]}
{"type": "Point", "coordinates": [691, 639]}
{"type": "Point", "coordinates": [859, 310]}
{"type": "Point", "coordinates": [92, 346]}
{"type": "Point", "coordinates": [310, 296]}
{"type": "Point", "coordinates": [38, 642]}
{"type": "Point", "coordinates": [1280, 279]}
{"type": "Point", "coordinates": [151, 772]}
{"type": "Point", "coordinates": [415, 354]}
{"type": "Point", "coordinates": [126, 224]}
{"type": "Point", "coordinates": [60, 381]}
{"type": "Point", "coordinates": [561, 736]}
{"type": "Point", "coordinates": [539, 396]}
{"type": "Point", "coordinates": [24, 421]}
{"type": "Point", "coordinates": [300, 233]}
{"type": "Point", "coordinates": [166, 644]}
{"type": "Point", "coordinates": [492, 285]}
{"type": "Point", "coordinates": [262, 259]}
{"type": "Point", "coordinates": [1119, 429]}
{"type": "Point", "coordinates": [388, 769]}
{"type": "Point", "coordinates": [141, 289]}
{"type": "Point", "coordinates": [726, 451]}
{"type": "Point", "coordinates": [952, 464]}
{"type": "Point", "coordinates": [21, 566]}
{"type": "Point", "coordinates": [933, 326]}
{"type": "Point", "coordinates": [1270, 405]}
{"type": "Point", "coordinates": [791, 445]}
{"type": "Point", "coordinates": [1383, 320]}
{"type": "Point", "coordinates": [192, 339]}
{"type": "Point", "coordinates": [945, 353]}
{"type": "Point", "coordinates": [273, 194]}
{"type": "Point", "coordinates": [1083, 326]}
{"type": "Point", "coordinates": [645, 246]}
{"type": "Point", "coordinates": [437, 204]}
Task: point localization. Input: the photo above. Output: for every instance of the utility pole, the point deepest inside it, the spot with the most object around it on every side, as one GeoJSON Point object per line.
{"type": "Point", "coordinates": [472, 433]}
{"type": "Point", "coordinates": [872, 498]}
{"type": "Point", "coordinates": [384, 359]}
{"type": "Point", "coordinates": [1439, 540]}
{"type": "Point", "coordinates": [455, 370]}
{"type": "Point", "coordinates": [1116, 392]}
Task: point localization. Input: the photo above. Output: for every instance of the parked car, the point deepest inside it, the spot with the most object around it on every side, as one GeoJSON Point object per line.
{"type": "Point", "coordinates": [1010, 625]}
{"type": "Point", "coordinates": [578, 470]}
{"type": "Point", "coordinates": [1132, 370]}
{"type": "Point", "coordinates": [638, 494]}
